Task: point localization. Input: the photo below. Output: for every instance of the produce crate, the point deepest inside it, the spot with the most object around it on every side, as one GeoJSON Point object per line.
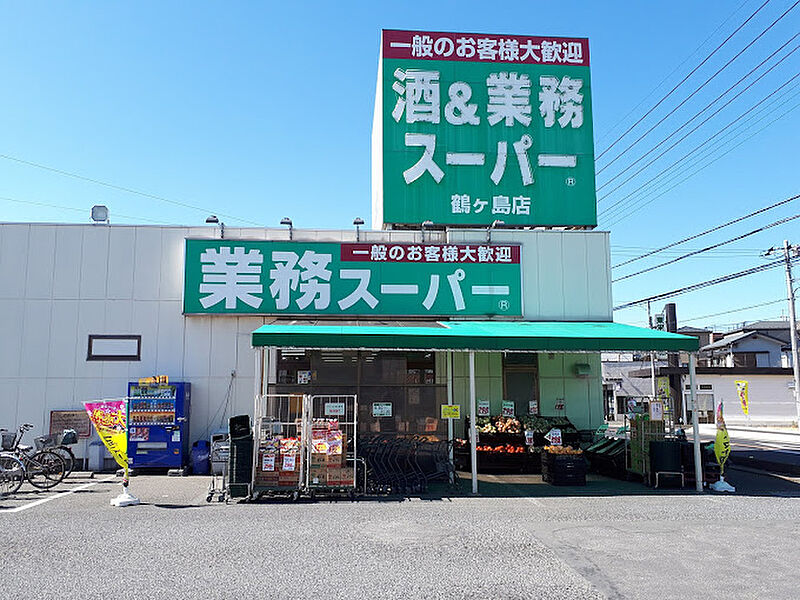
{"type": "Point", "coordinates": [563, 469]}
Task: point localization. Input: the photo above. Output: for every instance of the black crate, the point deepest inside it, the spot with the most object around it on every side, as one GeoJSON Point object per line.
{"type": "Point", "coordinates": [239, 426]}
{"type": "Point", "coordinates": [238, 490]}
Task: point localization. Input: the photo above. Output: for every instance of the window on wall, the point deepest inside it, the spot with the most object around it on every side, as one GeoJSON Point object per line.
{"type": "Point", "coordinates": [521, 381]}
{"type": "Point", "coordinates": [108, 347]}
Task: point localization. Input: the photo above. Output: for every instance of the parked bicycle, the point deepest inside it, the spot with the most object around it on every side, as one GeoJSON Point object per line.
{"type": "Point", "coordinates": [43, 468]}
{"type": "Point", "coordinates": [12, 473]}
{"type": "Point", "coordinates": [60, 444]}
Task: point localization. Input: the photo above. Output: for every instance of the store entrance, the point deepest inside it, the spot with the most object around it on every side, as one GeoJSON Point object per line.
{"type": "Point", "coordinates": [521, 382]}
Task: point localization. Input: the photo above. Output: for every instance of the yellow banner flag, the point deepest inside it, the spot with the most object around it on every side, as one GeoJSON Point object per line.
{"type": "Point", "coordinates": [722, 443]}
{"type": "Point", "coordinates": [110, 420]}
{"type": "Point", "coordinates": [744, 395]}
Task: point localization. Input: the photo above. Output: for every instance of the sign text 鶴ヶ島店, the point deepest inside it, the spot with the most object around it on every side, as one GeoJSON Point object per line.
{"type": "Point", "coordinates": [473, 128]}
{"type": "Point", "coordinates": [298, 278]}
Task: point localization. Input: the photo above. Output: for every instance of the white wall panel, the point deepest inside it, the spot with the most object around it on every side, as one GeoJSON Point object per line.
{"type": "Point", "coordinates": [9, 393]}
{"type": "Point", "coordinates": [86, 389]}
{"type": "Point", "coordinates": [12, 314]}
{"type": "Point", "coordinates": [551, 277]}
{"type": "Point", "coordinates": [41, 258]}
{"type": "Point", "coordinates": [91, 320]}
{"type": "Point", "coordinates": [30, 407]}
{"type": "Point", "coordinates": [13, 260]}
{"type": "Point", "coordinates": [120, 257]}
{"type": "Point", "coordinates": [62, 335]}
{"type": "Point", "coordinates": [223, 346]}
{"type": "Point", "coordinates": [198, 419]}
{"type": "Point", "coordinates": [35, 338]}
{"type": "Point", "coordinates": [147, 263]}
{"type": "Point", "coordinates": [94, 262]}
{"type": "Point", "coordinates": [145, 323]}
{"type": "Point", "coordinates": [598, 271]}
{"type": "Point", "coordinates": [197, 347]}
{"type": "Point", "coordinates": [576, 282]}
{"type": "Point", "coordinates": [169, 353]}
{"type": "Point", "coordinates": [68, 260]}
{"type": "Point", "coordinates": [172, 251]}
{"type": "Point", "coordinates": [59, 395]}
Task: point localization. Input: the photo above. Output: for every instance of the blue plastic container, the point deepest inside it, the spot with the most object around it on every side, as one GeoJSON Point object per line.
{"type": "Point", "coordinates": [200, 454]}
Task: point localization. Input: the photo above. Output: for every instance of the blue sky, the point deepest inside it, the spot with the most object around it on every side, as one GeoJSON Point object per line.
{"type": "Point", "coordinates": [260, 110]}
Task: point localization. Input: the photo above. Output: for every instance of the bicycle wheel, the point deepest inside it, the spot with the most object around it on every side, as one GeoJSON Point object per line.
{"type": "Point", "coordinates": [68, 457]}
{"type": "Point", "coordinates": [12, 472]}
{"type": "Point", "coordinates": [44, 469]}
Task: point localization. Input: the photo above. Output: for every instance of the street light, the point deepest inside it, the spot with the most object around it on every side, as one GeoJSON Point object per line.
{"type": "Point", "coordinates": [495, 224]}
{"type": "Point", "coordinates": [214, 220]}
{"type": "Point", "coordinates": [358, 222]}
{"type": "Point", "coordinates": [425, 225]}
{"type": "Point", "coordinates": [288, 222]}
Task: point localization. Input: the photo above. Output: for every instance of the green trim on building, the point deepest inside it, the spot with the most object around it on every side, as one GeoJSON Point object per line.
{"type": "Point", "coordinates": [524, 336]}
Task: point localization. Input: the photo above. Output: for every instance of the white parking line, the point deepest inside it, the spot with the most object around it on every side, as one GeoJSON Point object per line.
{"type": "Point", "coordinates": [54, 496]}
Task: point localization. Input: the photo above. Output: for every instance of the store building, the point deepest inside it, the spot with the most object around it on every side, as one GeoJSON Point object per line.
{"type": "Point", "coordinates": [481, 283]}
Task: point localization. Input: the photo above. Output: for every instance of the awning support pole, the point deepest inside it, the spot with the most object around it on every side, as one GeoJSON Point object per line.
{"type": "Point", "coordinates": [473, 430]}
{"type": "Point", "coordinates": [449, 359]}
{"type": "Point", "coordinates": [698, 459]}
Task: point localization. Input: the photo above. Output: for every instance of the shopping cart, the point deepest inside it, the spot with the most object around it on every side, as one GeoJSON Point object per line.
{"type": "Point", "coordinates": [220, 451]}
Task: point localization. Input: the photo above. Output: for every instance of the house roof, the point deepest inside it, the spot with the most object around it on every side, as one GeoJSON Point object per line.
{"type": "Point", "coordinates": [737, 337]}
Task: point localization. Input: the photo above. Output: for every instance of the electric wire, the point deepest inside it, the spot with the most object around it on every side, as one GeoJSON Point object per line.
{"type": "Point", "coordinates": [658, 186]}
{"type": "Point", "coordinates": [704, 109]}
{"type": "Point", "coordinates": [121, 188]}
{"type": "Point", "coordinates": [607, 133]}
{"type": "Point", "coordinates": [690, 132]}
{"type": "Point", "coordinates": [621, 216]}
{"type": "Point", "coordinates": [682, 81]}
{"type": "Point", "coordinates": [699, 146]}
{"type": "Point", "coordinates": [704, 284]}
{"type": "Point", "coordinates": [733, 310]}
{"type": "Point", "coordinates": [74, 209]}
{"type": "Point", "coordinates": [707, 248]}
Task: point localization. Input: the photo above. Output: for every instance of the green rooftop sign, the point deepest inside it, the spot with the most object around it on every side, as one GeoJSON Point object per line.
{"type": "Point", "coordinates": [361, 279]}
{"type": "Point", "coordinates": [473, 128]}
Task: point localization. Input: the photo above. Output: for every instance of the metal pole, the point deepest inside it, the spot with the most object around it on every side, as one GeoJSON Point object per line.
{"type": "Point", "coordinates": [473, 430]}
{"type": "Point", "coordinates": [792, 328]}
{"type": "Point", "coordinates": [652, 359]}
{"type": "Point", "coordinates": [698, 459]}
{"type": "Point", "coordinates": [449, 359]}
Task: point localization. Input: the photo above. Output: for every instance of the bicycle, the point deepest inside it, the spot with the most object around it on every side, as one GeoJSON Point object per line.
{"type": "Point", "coordinates": [59, 444]}
{"type": "Point", "coordinates": [12, 472]}
{"type": "Point", "coordinates": [43, 469]}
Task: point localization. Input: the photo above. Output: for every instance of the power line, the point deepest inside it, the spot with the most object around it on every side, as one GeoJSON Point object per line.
{"type": "Point", "coordinates": [727, 312]}
{"type": "Point", "coordinates": [622, 216]}
{"type": "Point", "coordinates": [707, 248]}
{"type": "Point", "coordinates": [658, 187]}
{"type": "Point", "coordinates": [123, 188]}
{"type": "Point", "coordinates": [705, 284]}
{"type": "Point", "coordinates": [72, 208]}
{"type": "Point", "coordinates": [695, 149]}
{"type": "Point", "coordinates": [682, 81]}
{"type": "Point", "coordinates": [607, 133]}
{"type": "Point", "coordinates": [707, 231]}
{"type": "Point", "coordinates": [707, 106]}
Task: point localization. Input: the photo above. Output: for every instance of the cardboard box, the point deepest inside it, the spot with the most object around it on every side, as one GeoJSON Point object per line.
{"type": "Point", "coordinates": [346, 477]}
{"type": "Point", "coordinates": [319, 460]}
{"type": "Point", "coordinates": [320, 473]}
{"type": "Point", "coordinates": [334, 476]}
{"type": "Point", "coordinates": [335, 460]}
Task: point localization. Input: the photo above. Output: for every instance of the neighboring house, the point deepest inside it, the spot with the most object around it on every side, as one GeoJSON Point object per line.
{"type": "Point", "coordinates": [759, 344]}
{"type": "Point", "coordinates": [705, 336]}
{"type": "Point", "coordinates": [770, 393]}
{"type": "Point", "coordinates": [619, 386]}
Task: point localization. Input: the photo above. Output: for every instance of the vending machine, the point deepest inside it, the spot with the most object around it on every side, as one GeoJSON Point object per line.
{"type": "Point", "coordinates": [158, 425]}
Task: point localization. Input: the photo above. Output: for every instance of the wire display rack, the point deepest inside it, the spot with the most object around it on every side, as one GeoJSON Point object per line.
{"type": "Point", "coordinates": [278, 457]}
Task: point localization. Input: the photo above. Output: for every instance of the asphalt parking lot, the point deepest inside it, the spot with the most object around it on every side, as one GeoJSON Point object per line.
{"type": "Point", "coordinates": [71, 543]}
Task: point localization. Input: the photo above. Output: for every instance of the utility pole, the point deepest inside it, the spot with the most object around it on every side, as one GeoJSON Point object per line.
{"type": "Point", "coordinates": [787, 250]}
{"type": "Point", "coordinates": [652, 359]}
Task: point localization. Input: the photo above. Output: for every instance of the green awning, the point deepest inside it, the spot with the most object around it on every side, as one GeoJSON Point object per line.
{"type": "Point", "coordinates": [519, 336]}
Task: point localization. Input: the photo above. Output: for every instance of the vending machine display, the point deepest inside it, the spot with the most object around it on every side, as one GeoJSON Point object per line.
{"type": "Point", "coordinates": [158, 425]}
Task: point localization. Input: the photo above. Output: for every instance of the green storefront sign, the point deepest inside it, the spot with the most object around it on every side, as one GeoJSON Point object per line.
{"type": "Point", "coordinates": [473, 128]}
{"type": "Point", "coordinates": [361, 279]}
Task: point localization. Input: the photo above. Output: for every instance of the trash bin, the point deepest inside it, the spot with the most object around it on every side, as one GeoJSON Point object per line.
{"type": "Point", "coordinates": [199, 456]}
{"type": "Point", "coordinates": [96, 455]}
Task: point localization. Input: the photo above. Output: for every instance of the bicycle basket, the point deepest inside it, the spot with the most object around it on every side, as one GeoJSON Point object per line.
{"type": "Point", "coordinates": [44, 441]}
{"type": "Point", "coordinates": [69, 437]}
{"type": "Point", "coordinates": [7, 440]}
